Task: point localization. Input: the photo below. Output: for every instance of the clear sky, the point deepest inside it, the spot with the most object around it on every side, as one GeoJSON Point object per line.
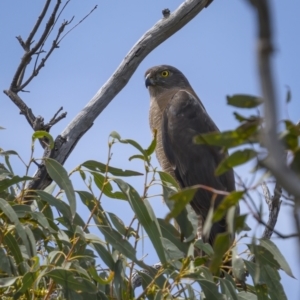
{"type": "Point", "coordinates": [216, 52]}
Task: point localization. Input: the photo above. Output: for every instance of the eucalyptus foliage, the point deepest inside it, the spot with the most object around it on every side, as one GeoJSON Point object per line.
{"type": "Point", "coordinates": [48, 252]}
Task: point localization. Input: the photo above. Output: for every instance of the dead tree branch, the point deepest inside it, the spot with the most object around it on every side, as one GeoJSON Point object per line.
{"type": "Point", "coordinates": [161, 31]}
{"type": "Point", "coordinates": [274, 162]}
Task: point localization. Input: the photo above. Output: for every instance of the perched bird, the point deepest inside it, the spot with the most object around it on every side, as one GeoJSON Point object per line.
{"type": "Point", "coordinates": [178, 115]}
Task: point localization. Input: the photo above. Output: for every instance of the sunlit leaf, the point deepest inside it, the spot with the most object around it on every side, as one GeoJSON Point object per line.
{"type": "Point", "coordinates": [43, 134]}
{"type": "Point", "coordinates": [244, 101]}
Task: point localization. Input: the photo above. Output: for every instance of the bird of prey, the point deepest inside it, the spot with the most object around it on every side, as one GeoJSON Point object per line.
{"type": "Point", "coordinates": [178, 115]}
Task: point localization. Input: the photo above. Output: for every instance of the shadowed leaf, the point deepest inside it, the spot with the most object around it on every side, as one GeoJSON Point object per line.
{"type": "Point", "coordinates": [230, 200]}
{"type": "Point", "coordinates": [58, 173]}
{"type": "Point", "coordinates": [100, 167]}
{"type": "Point", "coordinates": [235, 159]}
{"type": "Point", "coordinates": [180, 199]}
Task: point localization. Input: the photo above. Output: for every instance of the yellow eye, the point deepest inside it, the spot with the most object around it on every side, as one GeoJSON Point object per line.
{"type": "Point", "coordinates": [165, 73]}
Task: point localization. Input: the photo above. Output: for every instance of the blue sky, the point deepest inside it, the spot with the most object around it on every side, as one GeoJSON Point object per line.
{"type": "Point", "coordinates": [216, 52]}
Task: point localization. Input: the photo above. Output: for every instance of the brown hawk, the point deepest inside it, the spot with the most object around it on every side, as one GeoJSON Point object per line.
{"type": "Point", "coordinates": [178, 115]}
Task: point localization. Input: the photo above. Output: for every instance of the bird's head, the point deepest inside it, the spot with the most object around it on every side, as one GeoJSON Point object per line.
{"type": "Point", "coordinates": [161, 78]}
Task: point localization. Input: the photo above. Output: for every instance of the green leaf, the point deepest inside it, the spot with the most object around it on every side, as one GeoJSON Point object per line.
{"type": "Point", "coordinates": [145, 215]}
{"type": "Point", "coordinates": [115, 239]}
{"type": "Point", "coordinates": [235, 159]}
{"type": "Point", "coordinates": [5, 183]}
{"type": "Point", "coordinates": [132, 143]}
{"type": "Point", "coordinates": [168, 181]}
{"type": "Point", "coordinates": [27, 282]}
{"type": "Point", "coordinates": [263, 256]}
{"type": "Point", "coordinates": [240, 223]}
{"type": "Point", "coordinates": [106, 187]}
{"type": "Point", "coordinates": [221, 245]}
{"type": "Point", "coordinates": [119, 225]}
{"type": "Point", "coordinates": [244, 101]}
{"type": "Point", "coordinates": [104, 254]}
{"type": "Point", "coordinates": [169, 232]}
{"type": "Point", "coordinates": [173, 254]}
{"type": "Point", "coordinates": [246, 296]}
{"type": "Point", "coordinates": [181, 199]}
{"type": "Point", "coordinates": [152, 146]}
{"type": "Point", "coordinates": [9, 212]}
{"type": "Point", "coordinates": [272, 279]}
{"type": "Point", "coordinates": [228, 289]}
{"type": "Point", "coordinates": [210, 289]}
{"type": "Point", "coordinates": [238, 268]}
{"type": "Point", "coordinates": [270, 246]}
{"type": "Point", "coordinates": [43, 134]}
{"type": "Point", "coordinates": [205, 247]}
{"type": "Point", "coordinates": [7, 281]}
{"type": "Point", "coordinates": [68, 280]}
{"type": "Point", "coordinates": [4, 263]}
{"type": "Point", "coordinates": [58, 173]}
{"type": "Point", "coordinates": [100, 167]}
{"type": "Point", "coordinates": [14, 249]}
{"type": "Point", "coordinates": [8, 152]}
{"type": "Point", "coordinates": [244, 134]}
{"type": "Point", "coordinates": [57, 203]}
{"type": "Point", "coordinates": [187, 219]}
{"type": "Point", "coordinates": [230, 200]}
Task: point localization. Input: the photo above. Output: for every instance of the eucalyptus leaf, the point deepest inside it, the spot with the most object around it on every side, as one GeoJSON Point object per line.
{"type": "Point", "coordinates": [58, 173]}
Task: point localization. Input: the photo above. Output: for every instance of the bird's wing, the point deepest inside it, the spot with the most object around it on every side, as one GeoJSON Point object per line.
{"type": "Point", "coordinates": [183, 119]}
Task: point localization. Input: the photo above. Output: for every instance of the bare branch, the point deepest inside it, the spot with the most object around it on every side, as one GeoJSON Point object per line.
{"type": "Point", "coordinates": [274, 204]}
{"type": "Point", "coordinates": [24, 109]}
{"type": "Point", "coordinates": [36, 26]}
{"type": "Point", "coordinates": [28, 53]}
{"type": "Point", "coordinates": [161, 31]}
{"type": "Point", "coordinates": [274, 162]}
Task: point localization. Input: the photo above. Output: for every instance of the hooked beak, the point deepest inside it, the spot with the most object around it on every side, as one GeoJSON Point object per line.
{"type": "Point", "coordinates": [149, 81]}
